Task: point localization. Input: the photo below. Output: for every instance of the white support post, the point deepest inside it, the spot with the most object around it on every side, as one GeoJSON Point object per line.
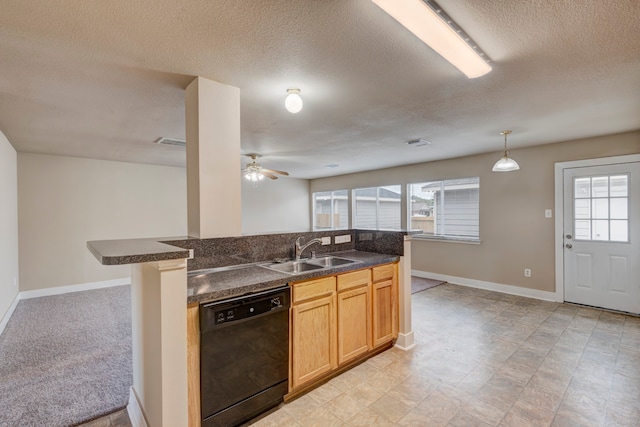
{"type": "Point", "coordinates": [212, 119]}
{"type": "Point", "coordinates": [405, 334]}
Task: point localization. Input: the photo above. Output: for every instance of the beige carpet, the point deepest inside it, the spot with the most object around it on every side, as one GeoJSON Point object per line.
{"type": "Point", "coordinates": [66, 359]}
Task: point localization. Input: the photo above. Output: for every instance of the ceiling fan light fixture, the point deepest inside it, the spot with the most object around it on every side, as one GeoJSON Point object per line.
{"type": "Point", "coordinates": [427, 21]}
{"type": "Point", "coordinates": [505, 163]}
{"type": "Point", "coordinates": [255, 173]}
{"type": "Point", "coordinates": [254, 176]}
{"type": "Point", "coordinates": [293, 101]}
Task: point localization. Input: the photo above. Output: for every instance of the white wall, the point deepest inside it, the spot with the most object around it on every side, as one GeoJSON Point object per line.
{"type": "Point", "coordinates": [8, 225]}
{"type": "Point", "coordinates": [66, 201]}
{"type": "Point", "coordinates": [276, 206]}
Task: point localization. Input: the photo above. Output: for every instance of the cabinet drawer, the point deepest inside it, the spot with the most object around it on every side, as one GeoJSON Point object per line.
{"type": "Point", "coordinates": [303, 291]}
{"type": "Point", "coordinates": [353, 279]}
{"type": "Point", "coordinates": [383, 272]}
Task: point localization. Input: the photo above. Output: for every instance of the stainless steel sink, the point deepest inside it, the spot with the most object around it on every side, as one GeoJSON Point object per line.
{"type": "Point", "coordinates": [292, 267]}
{"type": "Point", "coordinates": [330, 261]}
{"type": "Point", "coordinates": [305, 265]}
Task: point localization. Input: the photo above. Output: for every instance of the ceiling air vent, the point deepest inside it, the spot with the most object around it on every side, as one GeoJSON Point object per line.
{"type": "Point", "coordinates": [418, 142]}
{"type": "Point", "coordinates": [171, 141]}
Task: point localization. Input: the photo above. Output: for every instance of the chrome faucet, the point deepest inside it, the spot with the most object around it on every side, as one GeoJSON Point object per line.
{"type": "Point", "coordinates": [300, 247]}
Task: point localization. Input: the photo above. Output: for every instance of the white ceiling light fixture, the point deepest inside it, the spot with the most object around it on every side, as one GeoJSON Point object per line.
{"type": "Point", "coordinates": [293, 101]}
{"type": "Point", "coordinates": [427, 21]}
{"type": "Point", "coordinates": [506, 163]}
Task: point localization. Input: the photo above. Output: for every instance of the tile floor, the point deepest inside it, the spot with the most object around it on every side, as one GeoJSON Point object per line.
{"type": "Point", "coordinates": [117, 419]}
{"type": "Point", "coordinates": [488, 359]}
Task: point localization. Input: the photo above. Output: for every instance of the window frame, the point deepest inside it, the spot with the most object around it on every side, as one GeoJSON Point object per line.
{"type": "Point", "coordinates": [313, 210]}
{"type": "Point", "coordinates": [354, 210]}
{"type": "Point", "coordinates": [592, 218]}
{"type": "Point", "coordinates": [469, 239]}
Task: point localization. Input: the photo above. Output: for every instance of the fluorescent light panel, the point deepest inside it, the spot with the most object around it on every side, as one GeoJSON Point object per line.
{"type": "Point", "coordinates": [427, 21]}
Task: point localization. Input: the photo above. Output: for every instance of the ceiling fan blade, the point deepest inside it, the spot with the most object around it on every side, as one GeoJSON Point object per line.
{"type": "Point", "coordinates": [275, 171]}
{"type": "Point", "coordinates": [267, 174]}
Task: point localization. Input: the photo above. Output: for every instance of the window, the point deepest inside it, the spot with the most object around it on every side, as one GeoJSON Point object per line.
{"type": "Point", "coordinates": [377, 208]}
{"type": "Point", "coordinates": [331, 210]}
{"type": "Point", "coordinates": [448, 209]}
{"type": "Point", "coordinates": [601, 209]}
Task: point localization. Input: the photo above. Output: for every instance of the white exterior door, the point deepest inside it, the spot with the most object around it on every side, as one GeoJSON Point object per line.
{"type": "Point", "coordinates": [602, 236]}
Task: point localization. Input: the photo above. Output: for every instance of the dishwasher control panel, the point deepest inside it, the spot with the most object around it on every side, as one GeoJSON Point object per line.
{"type": "Point", "coordinates": [223, 312]}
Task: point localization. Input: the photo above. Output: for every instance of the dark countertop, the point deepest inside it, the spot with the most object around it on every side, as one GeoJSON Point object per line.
{"type": "Point", "coordinates": [229, 267]}
{"type": "Point", "coordinates": [133, 251]}
{"type": "Point", "coordinates": [214, 284]}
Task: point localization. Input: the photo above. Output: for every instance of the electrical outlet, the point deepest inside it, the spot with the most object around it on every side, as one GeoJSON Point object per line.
{"type": "Point", "coordinates": [548, 213]}
{"type": "Point", "coordinates": [326, 240]}
{"type": "Point", "coordinates": [527, 272]}
{"type": "Point", "coordinates": [346, 238]}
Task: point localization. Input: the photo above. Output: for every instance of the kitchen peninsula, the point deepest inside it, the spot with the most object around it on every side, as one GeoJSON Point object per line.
{"type": "Point", "coordinates": [166, 295]}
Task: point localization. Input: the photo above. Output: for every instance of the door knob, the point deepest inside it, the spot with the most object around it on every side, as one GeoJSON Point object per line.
{"type": "Point", "coordinates": [568, 236]}
{"type": "Point", "coordinates": [568, 246]}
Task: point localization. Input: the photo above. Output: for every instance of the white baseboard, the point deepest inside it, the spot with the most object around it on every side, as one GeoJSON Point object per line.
{"type": "Point", "coordinates": [489, 286]}
{"type": "Point", "coordinates": [74, 288]}
{"type": "Point", "coordinates": [7, 315]}
{"type": "Point", "coordinates": [135, 412]}
{"type": "Point", "coordinates": [405, 342]}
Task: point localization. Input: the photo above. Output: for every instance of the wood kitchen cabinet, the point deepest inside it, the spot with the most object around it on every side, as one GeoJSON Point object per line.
{"type": "Point", "coordinates": [339, 320]}
{"type": "Point", "coordinates": [354, 314]}
{"type": "Point", "coordinates": [313, 330]}
{"type": "Point", "coordinates": [385, 304]}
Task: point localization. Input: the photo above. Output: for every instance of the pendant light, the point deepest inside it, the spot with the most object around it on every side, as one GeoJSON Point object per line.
{"type": "Point", "coordinates": [506, 163]}
{"type": "Point", "coordinates": [293, 101]}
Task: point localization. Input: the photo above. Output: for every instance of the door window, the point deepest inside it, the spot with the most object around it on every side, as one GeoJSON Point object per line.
{"type": "Point", "coordinates": [601, 208]}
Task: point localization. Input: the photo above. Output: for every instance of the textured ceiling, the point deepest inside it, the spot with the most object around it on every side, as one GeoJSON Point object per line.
{"type": "Point", "coordinates": [104, 79]}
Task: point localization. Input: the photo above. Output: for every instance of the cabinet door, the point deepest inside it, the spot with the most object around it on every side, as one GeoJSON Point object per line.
{"type": "Point", "coordinates": [354, 323]}
{"type": "Point", "coordinates": [313, 334]}
{"type": "Point", "coordinates": [384, 313]}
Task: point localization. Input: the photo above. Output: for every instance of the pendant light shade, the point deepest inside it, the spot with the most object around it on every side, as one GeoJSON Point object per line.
{"type": "Point", "coordinates": [506, 163]}
{"type": "Point", "coordinates": [293, 101]}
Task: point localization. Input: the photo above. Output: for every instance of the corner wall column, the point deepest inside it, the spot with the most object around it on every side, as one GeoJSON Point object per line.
{"type": "Point", "coordinates": [214, 203]}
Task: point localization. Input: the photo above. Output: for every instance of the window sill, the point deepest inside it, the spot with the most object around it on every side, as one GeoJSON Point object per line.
{"type": "Point", "coordinates": [467, 241]}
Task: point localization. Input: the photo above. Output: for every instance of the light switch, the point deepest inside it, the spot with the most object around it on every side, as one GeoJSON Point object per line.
{"type": "Point", "coordinates": [548, 213]}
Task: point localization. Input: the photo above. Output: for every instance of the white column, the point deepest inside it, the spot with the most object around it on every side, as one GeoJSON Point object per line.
{"type": "Point", "coordinates": [405, 333]}
{"type": "Point", "coordinates": [213, 159]}
{"type": "Point", "coordinates": [159, 343]}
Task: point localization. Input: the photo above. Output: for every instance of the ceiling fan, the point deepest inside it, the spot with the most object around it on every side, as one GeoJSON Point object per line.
{"type": "Point", "coordinates": [254, 172]}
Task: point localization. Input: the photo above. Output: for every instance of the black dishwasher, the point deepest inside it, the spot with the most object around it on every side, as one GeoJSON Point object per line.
{"type": "Point", "coordinates": [244, 356]}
